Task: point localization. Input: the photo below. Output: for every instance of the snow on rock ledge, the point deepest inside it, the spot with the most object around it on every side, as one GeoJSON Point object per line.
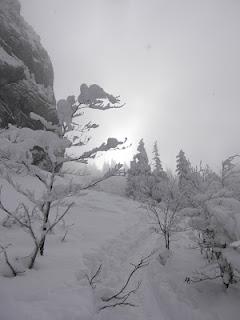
{"type": "Point", "coordinates": [26, 72]}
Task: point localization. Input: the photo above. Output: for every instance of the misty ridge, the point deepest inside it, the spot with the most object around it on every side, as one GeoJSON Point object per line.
{"type": "Point", "coordinates": [119, 160]}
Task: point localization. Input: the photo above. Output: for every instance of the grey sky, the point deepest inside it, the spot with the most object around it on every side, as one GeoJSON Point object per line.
{"type": "Point", "coordinates": [175, 62]}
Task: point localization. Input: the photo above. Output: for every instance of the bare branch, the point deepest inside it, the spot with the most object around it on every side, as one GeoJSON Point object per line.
{"type": "Point", "coordinates": [93, 280]}
{"type": "Point", "coordinates": [4, 251]}
{"type": "Point", "coordinates": [120, 303]}
{"type": "Point", "coordinates": [141, 264]}
{"type": "Point", "coordinates": [195, 279]}
{"type": "Point", "coordinates": [107, 175]}
{"type": "Point", "coordinates": [60, 217]}
{"type": "Point", "coordinates": [9, 213]}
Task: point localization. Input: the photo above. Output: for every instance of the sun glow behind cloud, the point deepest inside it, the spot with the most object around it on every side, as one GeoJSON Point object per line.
{"type": "Point", "coordinates": [126, 151]}
{"type": "Point", "coordinates": [175, 62]}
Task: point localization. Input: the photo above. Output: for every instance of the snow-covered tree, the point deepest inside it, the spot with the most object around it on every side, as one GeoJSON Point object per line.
{"type": "Point", "coordinates": [159, 175]}
{"type": "Point", "coordinates": [157, 164]}
{"type": "Point", "coordinates": [216, 222]}
{"type": "Point", "coordinates": [230, 174]}
{"type": "Point", "coordinates": [189, 178]}
{"type": "Point", "coordinates": [139, 180]}
{"type": "Point", "coordinates": [183, 169]}
{"type": "Point", "coordinates": [24, 151]}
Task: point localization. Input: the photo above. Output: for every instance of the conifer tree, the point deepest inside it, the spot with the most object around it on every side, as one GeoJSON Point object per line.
{"type": "Point", "coordinates": [159, 176]}
{"type": "Point", "coordinates": [189, 179]}
{"type": "Point", "coordinates": [158, 169]}
{"type": "Point", "coordinates": [183, 170]}
{"type": "Point", "coordinates": [139, 182]}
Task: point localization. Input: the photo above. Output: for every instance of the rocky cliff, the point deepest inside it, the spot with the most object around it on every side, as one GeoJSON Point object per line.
{"type": "Point", "coordinates": [26, 72]}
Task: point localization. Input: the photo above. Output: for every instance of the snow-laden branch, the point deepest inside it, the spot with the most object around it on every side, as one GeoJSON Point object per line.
{"type": "Point", "coordinates": [94, 97]}
{"type": "Point", "coordinates": [111, 144]}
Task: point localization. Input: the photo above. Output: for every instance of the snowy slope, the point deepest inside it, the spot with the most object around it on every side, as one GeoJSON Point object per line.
{"type": "Point", "coordinates": [114, 185]}
{"type": "Point", "coordinates": [53, 291]}
{"type": "Point", "coordinates": [110, 230]}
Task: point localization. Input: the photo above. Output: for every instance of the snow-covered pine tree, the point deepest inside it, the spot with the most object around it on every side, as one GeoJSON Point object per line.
{"type": "Point", "coordinates": [187, 178]}
{"type": "Point", "coordinates": [183, 169]}
{"type": "Point", "coordinates": [139, 180]}
{"type": "Point", "coordinates": [157, 164]}
{"type": "Point", "coordinates": [159, 175]}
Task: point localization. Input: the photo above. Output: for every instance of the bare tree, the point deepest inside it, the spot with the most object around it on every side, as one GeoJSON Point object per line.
{"type": "Point", "coordinates": [26, 221]}
{"type": "Point", "coordinates": [165, 215]}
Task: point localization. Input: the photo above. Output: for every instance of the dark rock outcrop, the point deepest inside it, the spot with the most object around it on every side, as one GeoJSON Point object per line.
{"type": "Point", "coordinates": [26, 72]}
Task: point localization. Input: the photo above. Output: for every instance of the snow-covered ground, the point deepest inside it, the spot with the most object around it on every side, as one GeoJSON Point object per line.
{"type": "Point", "coordinates": [111, 230]}
{"type": "Point", "coordinates": [114, 185]}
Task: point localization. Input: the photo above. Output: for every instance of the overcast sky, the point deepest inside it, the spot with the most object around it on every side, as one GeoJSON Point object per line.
{"type": "Point", "coordinates": [176, 63]}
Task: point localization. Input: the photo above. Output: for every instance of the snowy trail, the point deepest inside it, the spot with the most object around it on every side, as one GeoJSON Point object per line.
{"type": "Point", "coordinates": [53, 291]}
{"type": "Point", "coordinates": [164, 295]}
{"type": "Point", "coordinates": [110, 230]}
{"type": "Point", "coordinates": [157, 298]}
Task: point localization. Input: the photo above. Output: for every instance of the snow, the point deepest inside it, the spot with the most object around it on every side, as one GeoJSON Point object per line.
{"type": "Point", "coordinates": [17, 143]}
{"type": "Point", "coordinates": [5, 58]}
{"type": "Point", "coordinates": [114, 185]}
{"type": "Point", "coordinates": [111, 230]}
{"type": "Point", "coordinates": [235, 244]}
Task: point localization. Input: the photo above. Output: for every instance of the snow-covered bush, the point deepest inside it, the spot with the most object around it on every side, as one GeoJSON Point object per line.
{"type": "Point", "coordinates": [230, 175]}
{"type": "Point", "coordinates": [215, 219]}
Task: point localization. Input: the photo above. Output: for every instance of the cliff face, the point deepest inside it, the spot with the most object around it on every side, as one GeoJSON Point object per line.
{"type": "Point", "coordinates": [26, 72]}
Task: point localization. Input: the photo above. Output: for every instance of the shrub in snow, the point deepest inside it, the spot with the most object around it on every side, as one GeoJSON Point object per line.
{"type": "Point", "coordinates": [165, 216]}
{"type": "Point", "coordinates": [37, 147]}
{"type": "Point", "coordinates": [230, 175]}
{"type": "Point", "coordinates": [216, 221]}
{"type": "Point", "coordinates": [106, 297]}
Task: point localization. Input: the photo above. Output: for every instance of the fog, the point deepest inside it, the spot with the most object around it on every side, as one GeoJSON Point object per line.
{"type": "Point", "coordinates": [175, 64]}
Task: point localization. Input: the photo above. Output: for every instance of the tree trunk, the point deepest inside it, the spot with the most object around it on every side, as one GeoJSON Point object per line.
{"type": "Point", "coordinates": [44, 229]}
{"type": "Point", "coordinates": [34, 256]}
{"type": "Point", "coordinates": [167, 240]}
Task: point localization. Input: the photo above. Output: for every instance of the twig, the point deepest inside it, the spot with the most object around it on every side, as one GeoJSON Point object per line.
{"type": "Point", "coordinates": [120, 298]}
{"type": "Point", "coordinates": [93, 280]}
{"type": "Point", "coordinates": [4, 250]}
{"type": "Point", "coordinates": [60, 217]}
